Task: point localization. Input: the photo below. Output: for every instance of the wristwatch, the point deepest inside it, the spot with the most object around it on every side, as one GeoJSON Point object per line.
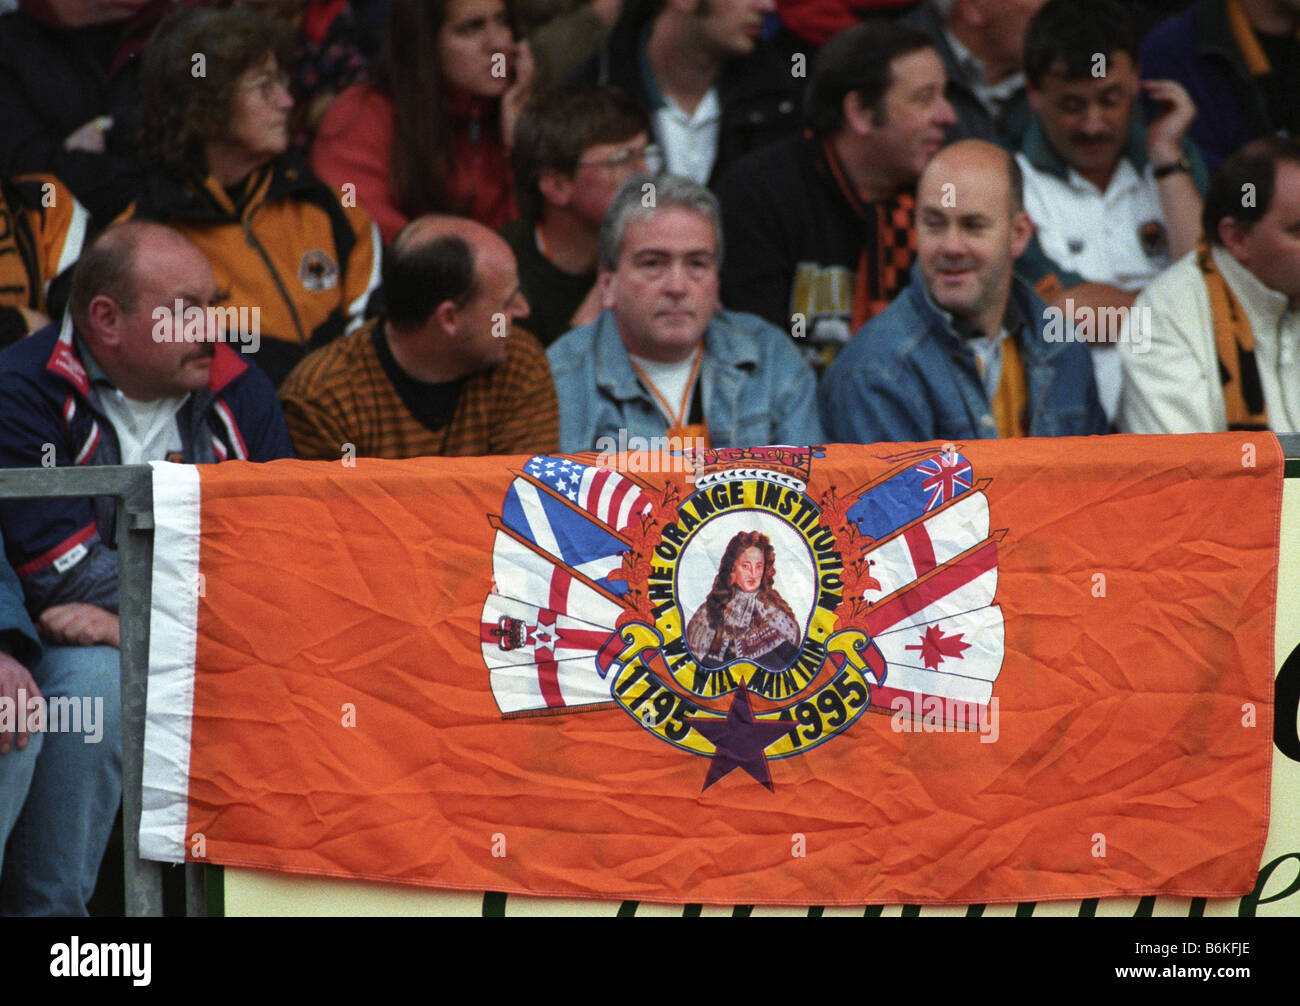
{"type": "Point", "coordinates": [1165, 170]}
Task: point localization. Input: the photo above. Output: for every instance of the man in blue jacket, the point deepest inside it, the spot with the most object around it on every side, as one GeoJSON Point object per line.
{"type": "Point", "coordinates": [134, 374]}
{"type": "Point", "coordinates": [966, 350]}
{"type": "Point", "coordinates": [662, 359]}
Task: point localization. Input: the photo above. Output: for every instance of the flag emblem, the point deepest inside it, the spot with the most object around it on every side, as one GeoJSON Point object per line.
{"type": "Point", "coordinates": [747, 622]}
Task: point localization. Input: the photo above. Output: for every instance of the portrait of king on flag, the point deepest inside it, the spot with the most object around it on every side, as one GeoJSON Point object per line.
{"type": "Point", "coordinates": [746, 622]}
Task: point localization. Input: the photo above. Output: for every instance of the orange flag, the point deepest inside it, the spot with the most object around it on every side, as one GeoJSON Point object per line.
{"type": "Point", "coordinates": [949, 673]}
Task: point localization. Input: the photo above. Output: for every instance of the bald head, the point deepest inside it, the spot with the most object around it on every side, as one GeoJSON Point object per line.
{"type": "Point", "coordinates": [972, 168]}
{"type": "Point", "coordinates": [113, 263]}
{"type": "Point", "coordinates": [133, 294]}
{"type": "Point", "coordinates": [970, 228]}
{"type": "Point", "coordinates": [433, 260]}
{"type": "Point", "coordinates": [451, 291]}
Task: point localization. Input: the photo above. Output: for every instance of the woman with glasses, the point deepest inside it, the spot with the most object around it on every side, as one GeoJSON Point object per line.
{"type": "Point", "coordinates": [296, 263]}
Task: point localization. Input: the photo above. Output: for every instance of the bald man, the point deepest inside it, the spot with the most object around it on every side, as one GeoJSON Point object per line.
{"type": "Point", "coordinates": [442, 371]}
{"type": "Point", "coordinates": [138, 371]}
{"type": "Point", "coordinates": [966, 351]}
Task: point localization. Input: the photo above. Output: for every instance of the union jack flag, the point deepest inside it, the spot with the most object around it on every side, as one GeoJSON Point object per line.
{"type": "Point", "coordinates": [909, 493]}
{"type": "Point", "coordinates": [943, 477]}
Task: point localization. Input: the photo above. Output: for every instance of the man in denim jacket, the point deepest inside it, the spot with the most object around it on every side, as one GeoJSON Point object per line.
{"type": "Point", "coordinates": [662, 359]}
{"type": "Point", "coordinates": [966, 351]}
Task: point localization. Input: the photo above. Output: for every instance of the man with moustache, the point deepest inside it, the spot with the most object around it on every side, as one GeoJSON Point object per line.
{"type": "Point", "coordinates": [1113, 200]}
{"type": "Point", "coordinates": [962, 353]}
{"type": "Point", "coordinates": [119, 382]}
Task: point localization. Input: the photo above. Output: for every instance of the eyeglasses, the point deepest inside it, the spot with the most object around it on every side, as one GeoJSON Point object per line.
{"type": "Point", "coordinates": [266, 82]}
{"type": "Point", "coordinates": [651, 154]}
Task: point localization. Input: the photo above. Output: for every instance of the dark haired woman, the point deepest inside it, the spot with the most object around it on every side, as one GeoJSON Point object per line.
{"type": "Point", "coordinates": [432, 134]}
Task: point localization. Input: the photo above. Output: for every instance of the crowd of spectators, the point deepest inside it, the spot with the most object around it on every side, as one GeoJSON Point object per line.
{"type": "Point", "coordinates": [259, 229]}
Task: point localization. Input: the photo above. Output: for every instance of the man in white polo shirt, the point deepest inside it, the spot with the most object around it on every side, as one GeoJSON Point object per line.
{"type": "Point", "coordinates": [1224, 352]}
{"type": "Point", "coordinates": [1112, 203]}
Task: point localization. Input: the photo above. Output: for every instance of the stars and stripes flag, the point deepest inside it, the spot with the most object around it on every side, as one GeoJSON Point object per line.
{"type": "Point", "coordinates": [609, 497]}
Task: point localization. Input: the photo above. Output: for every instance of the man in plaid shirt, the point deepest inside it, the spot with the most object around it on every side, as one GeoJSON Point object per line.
{"type": "Point", "coordinates": [442, 372]}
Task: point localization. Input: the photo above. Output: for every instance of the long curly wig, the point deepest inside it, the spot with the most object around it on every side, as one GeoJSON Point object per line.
{"type": "Point", "coordinates": [723, 589]}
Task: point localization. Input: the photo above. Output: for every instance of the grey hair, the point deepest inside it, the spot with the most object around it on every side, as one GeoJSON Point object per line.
{"type": "Point", "coordinates": [944, 8]}
{"type": "Point", "coordinates": [663, 192]}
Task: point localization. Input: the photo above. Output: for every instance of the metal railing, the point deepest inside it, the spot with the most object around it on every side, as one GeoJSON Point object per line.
{"type": "Point", "coordinates": [132, 487]}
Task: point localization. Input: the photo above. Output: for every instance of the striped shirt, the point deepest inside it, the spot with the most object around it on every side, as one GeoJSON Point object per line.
{"type": "Point", "coordinates": [342, 395]}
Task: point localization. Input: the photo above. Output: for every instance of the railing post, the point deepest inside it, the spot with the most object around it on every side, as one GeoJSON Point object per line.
{"type": "Point", "coordinates": [135, 572]}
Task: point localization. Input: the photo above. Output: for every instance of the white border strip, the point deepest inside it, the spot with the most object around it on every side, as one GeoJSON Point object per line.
{"type": "Point", "coordinates": [173, 636]}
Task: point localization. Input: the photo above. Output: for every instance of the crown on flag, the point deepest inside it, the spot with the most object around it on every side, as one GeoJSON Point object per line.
{"type": "Point", "coordinates": [786, 466]}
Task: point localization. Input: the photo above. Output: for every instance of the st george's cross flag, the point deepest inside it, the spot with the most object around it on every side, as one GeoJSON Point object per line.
{"type": "Point", "coordinates": [948, 667]}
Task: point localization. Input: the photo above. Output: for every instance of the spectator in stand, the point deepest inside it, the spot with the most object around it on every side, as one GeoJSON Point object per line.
{"type": "Point", "coordinates": [981, 43]}
{"type": "Point", "coordinates": [663, 359]}
{"type": "Point", "coordinates": [1240, 62]}
{"type": "Point", "coordinates": [1114, 200]}
{"type": "Point", "coordinates": [1220, 346]}
{"type": "Point", "coordinates": [279, 239]}
{"type": "Point", "coordinates": [433, 133]}
{"type": "Point", "coordinates": [574, 147]}
{"type": "Point", "coordinates": [819, 227]}
{"type": "Point", "coordinates": [127, 378]}
{"type": "Point", "coordinates": [332, 49]}
{"type": "Point", "coordinates": [42, 228]}
{"type": "Point", "coordinates": [68, 96]}
{"type": "Point", "coordinates": [714, 90]}
{"type": "Point", "coordinates": [441, 372]}
{"type": "Point", "coordinates": [20, 747]}
{"type": "Point", "coordinates": [964, 352]}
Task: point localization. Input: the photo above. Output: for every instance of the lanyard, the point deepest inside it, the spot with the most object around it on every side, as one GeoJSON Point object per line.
{"type": "Point", "coordinates": [676, 419]}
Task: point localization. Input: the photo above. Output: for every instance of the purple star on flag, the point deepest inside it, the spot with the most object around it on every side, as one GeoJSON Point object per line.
{"type": "Point", "coordinates": [740, 740]}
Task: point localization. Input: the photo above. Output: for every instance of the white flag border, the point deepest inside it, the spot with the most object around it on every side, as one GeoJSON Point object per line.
{"type": "Point", "coordinates": [173, 639]}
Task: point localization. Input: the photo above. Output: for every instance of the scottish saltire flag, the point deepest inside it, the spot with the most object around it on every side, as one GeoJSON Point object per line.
{"type": "Point", "coordinates": [565, 532]}
{"type": "Point", "coordinates": [521, 571]}
{"type": "Point", "coordinates": [917, 489]}
{"type": "Point", "coordinates": [611, 498]}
